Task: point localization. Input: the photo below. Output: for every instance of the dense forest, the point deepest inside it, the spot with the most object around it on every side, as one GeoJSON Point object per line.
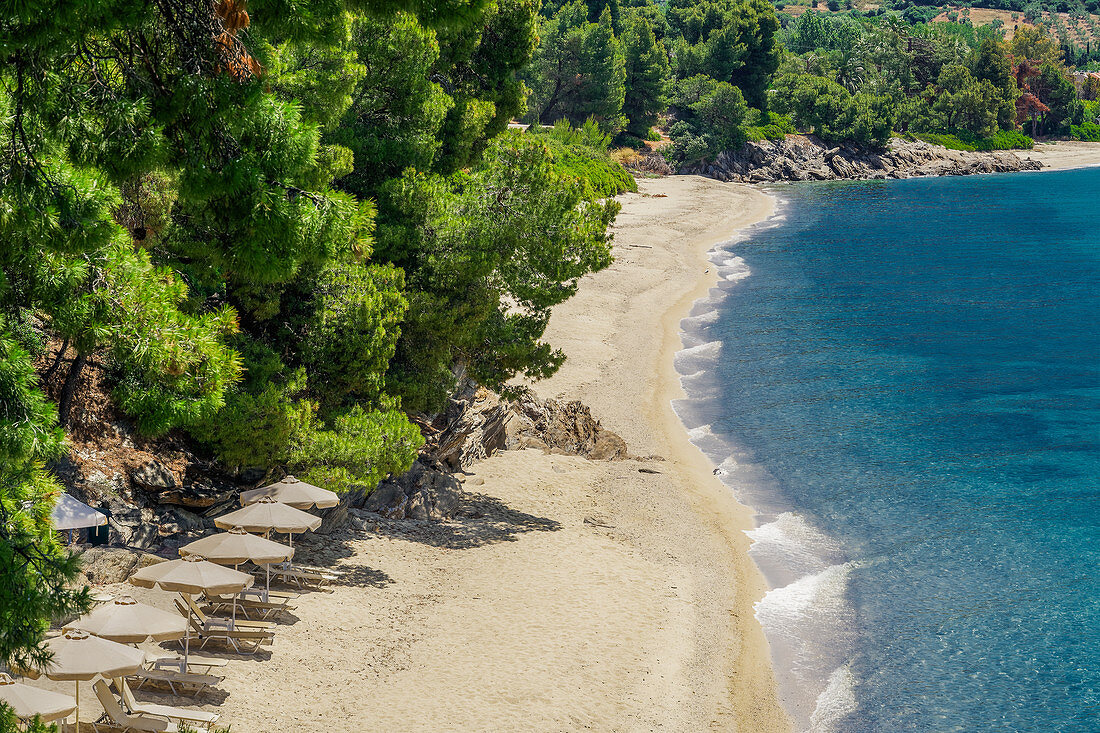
{"type": "Point", "coordinates": [728, 71]}
{"type": "Point", "coordinates": [284, 229]}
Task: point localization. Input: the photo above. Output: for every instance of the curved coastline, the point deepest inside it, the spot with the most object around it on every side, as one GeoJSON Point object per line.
{"type": "Point", "coordinates": [622, 333]}
{"type": "Point", "coordinates": [570, 594]}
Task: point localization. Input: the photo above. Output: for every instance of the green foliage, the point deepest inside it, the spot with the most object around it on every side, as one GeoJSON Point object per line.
{"type": "Point", "coordinates": [1054, 87]}
{"type": "Point", "coordinates": [479, 64]}
{"type": "Point", "coordinates": [1088, 131]}
{"type": "Point", "coordinates": [728, 40]}
{"type": "Point", "coordinates": [710, 118]}
{"type": "Point", "coordinates": [349, 337]}
{"type": "Point", "coordinates": [582, 153]}
{"type": "Point", "coordinates": [356, 449]}
{"type": "Point", "coordinates": [10, 724]}
{"type": "Point", "coordinates": [37, 570]}
{"type": "Point", "coordinates": [262, 427]}
{"type": "Point", "coordinates": [832, 112]}
{"type": "Point", "coordinates": [395, 109]}
{"type": "Point", "coordinates": [647, 70]}
{"type": "Point", "coordinates": [965, 103]}
{"type": "Point", "coordinates": [963, 140]}
{"type": "Point", "coordinates": [486, 255]}
{"type": "Point", "coordinates": [768, 126]}
{"type": "Point", "coordinates": [578, 71]}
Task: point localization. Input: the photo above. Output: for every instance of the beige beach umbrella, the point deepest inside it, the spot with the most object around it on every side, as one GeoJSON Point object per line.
{"type": "Point", "coordinates": [28, 701]}
{"type": "Point", "coordinates": [78, 656]}
{"type": "Point", "coordinates": [128, 622]}
{"type": "Point", "coordinates": [267, 515]}
{"type": "Point", "coordinates": [237, 546]}
{"type": "Point", "coordinates": [190, 575]}
{"type": "Point", "coordinates": [295, 493]}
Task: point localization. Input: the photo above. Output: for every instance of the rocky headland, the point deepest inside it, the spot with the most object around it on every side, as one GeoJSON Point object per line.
{"type": "Point", "coordinates": [808, 158]}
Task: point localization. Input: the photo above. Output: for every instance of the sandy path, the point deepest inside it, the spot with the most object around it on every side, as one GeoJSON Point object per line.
{"type": "Point", "coordinates": [569, 595]}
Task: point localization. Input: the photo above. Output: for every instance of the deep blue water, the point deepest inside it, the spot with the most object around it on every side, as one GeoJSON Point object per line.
{"type": "Point", "coordinates": [908, 389]}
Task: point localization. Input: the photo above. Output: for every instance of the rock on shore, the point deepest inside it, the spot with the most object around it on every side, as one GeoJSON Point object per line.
{"type": "Point", "coordinates": [807, 158]}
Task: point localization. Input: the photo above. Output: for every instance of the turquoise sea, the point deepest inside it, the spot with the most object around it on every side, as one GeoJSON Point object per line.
{"type": "Point", "coordinates": [903, 379]}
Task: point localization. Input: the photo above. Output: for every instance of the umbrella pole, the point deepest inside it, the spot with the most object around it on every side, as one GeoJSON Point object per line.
{"type": "Point", "coordinates": [233, 623]}
{"type": "Point", "coordinates": [267, 583]}
{"type": "Point", "coordinates": [78, 706]}
{"type": "Point", "coordinates": [186, 636]}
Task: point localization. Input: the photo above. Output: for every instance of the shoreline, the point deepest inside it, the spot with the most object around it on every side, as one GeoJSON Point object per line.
{"type": "Point", "coordinates": [1063, 155]}
{"type": "Point", "coordinates": [799, 158]}
{"type": "Point", "coordinates": [566, 594]}
{"type": "Point", "coordinates": [689, 276]}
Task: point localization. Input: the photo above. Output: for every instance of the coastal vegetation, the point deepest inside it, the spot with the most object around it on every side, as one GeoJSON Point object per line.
{"type": "Point", "coordinates": [736, 70]}
{"type": "Point", "coordinates": [274, 230]}
{"type": "Point", "coordinates": [285, 233]}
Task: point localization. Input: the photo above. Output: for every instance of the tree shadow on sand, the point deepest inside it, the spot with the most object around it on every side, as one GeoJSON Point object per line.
{"type": "Point", "coordinates": [481, 520]}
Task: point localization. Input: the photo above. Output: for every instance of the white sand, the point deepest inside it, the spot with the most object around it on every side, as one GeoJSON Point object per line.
{"type": "Point", "coordinates": [575, 595]}
{"type": "Point", "coordinates": [1064, 154]}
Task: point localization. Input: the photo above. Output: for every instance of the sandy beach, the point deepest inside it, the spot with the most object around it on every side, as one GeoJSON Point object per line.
{"type": "Point", "coordinates": [1065, 154]}
{"type": "Point", "coordinates": [569, 594]}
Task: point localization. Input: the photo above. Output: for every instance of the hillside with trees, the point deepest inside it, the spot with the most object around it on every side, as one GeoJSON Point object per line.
{"type": "Point", "coordinates": [282, 234]}
{"type": "Point", "coordinates": [736, 70]}
{"type": "Point", "coordinates": [272, 231]}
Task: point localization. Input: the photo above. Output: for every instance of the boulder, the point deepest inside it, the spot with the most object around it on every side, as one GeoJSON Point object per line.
{"type": "Point", "coordinates": [105, 565]}
{"type": "Point", "coordinates": [153, 476]}
{"type": "Point", "coordinates": [174, 520]}
{"type": "Point", "coordinates": [482, 423]}
{"type": "Point", "coordinates": [425, 491]}
{"type": "Point", "coordinates": [196, 496]}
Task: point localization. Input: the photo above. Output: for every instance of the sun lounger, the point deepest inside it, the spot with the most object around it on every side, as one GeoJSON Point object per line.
{"type": "Point", "coordinates": [195, 665]}
{"type": "Point", "coordinates": [176, 715]}
{"type": "Point", "coordinates": [247, 641]}
{"type": "Point", "coordinates": [173, 679]}
{"type": "Point", "coordinates": [249, 608]}
{"type": "Point", "coordinates": [314, 569]}
{"type": "Point", "coordinates": [114, 718]}
{"type": "Point", "coordinates": [226, 623]}
{"type": "Point", "coordinates": [302, 578]}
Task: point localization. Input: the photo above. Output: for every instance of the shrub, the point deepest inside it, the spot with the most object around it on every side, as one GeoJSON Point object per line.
{"type": "Point", "coordinates": [581, 152]}
{"type": "Point", "coordinates": [963, 140]}
{"type": "Point", "coordinates": [1088, 131]}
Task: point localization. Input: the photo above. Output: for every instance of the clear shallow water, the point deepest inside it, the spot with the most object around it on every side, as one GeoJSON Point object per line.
{"type": "Point", "coordinates": [903, 378]}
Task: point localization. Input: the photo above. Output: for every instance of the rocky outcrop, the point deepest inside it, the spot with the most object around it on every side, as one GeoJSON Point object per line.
{"type": "Point", "coordinates": [807, 158]}
{"type": "Point", "coordinates": [153, 476]}
{"type": "Point", "coordinates": [475, 426]}
{"type": "Point", "coordinates": [482, 423]}
{"type": "Point", "coordinates": [425, 491]}
{"type": "Point", "coordinates": [105, 565]}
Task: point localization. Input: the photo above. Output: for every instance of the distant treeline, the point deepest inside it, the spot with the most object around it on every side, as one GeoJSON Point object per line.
{"type": "Point", "coordinates": [727, 71]}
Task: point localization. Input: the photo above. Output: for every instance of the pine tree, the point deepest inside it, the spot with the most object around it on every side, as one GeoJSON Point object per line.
{"type": "Point", "coordinates": [647, 71]}
{"type": "Point", "coordinates": [579, 70]}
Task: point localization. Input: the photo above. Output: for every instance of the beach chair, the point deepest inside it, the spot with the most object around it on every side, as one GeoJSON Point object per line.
{"type": "Point", "coordinates": [114, 718]}
{"type": "Point", "coordinates": [272, 608]}
{"type": "Point", "coordinates": [195, 664]}
{"type": "Point", "coordinates": [199, 718]}
{"type": "Point", "coordinates": [172, 679]}
{"type": "Point", "coordinates": [226, 623]}
{"type": "Point", "coordinates": [315, 579]}
{"type": "Point", "coordinates": [246, 641]}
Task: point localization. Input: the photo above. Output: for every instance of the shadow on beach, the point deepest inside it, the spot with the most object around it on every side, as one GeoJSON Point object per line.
{"type": "Point", "coordinates": [480, 520]}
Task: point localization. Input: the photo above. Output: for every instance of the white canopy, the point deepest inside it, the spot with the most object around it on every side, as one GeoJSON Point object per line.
{"type": "Point", "coordinates": [72, 514]}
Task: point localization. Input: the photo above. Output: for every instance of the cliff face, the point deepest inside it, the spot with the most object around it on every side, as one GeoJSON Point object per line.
{"type": "Point", "coordinates": [806, 158]}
